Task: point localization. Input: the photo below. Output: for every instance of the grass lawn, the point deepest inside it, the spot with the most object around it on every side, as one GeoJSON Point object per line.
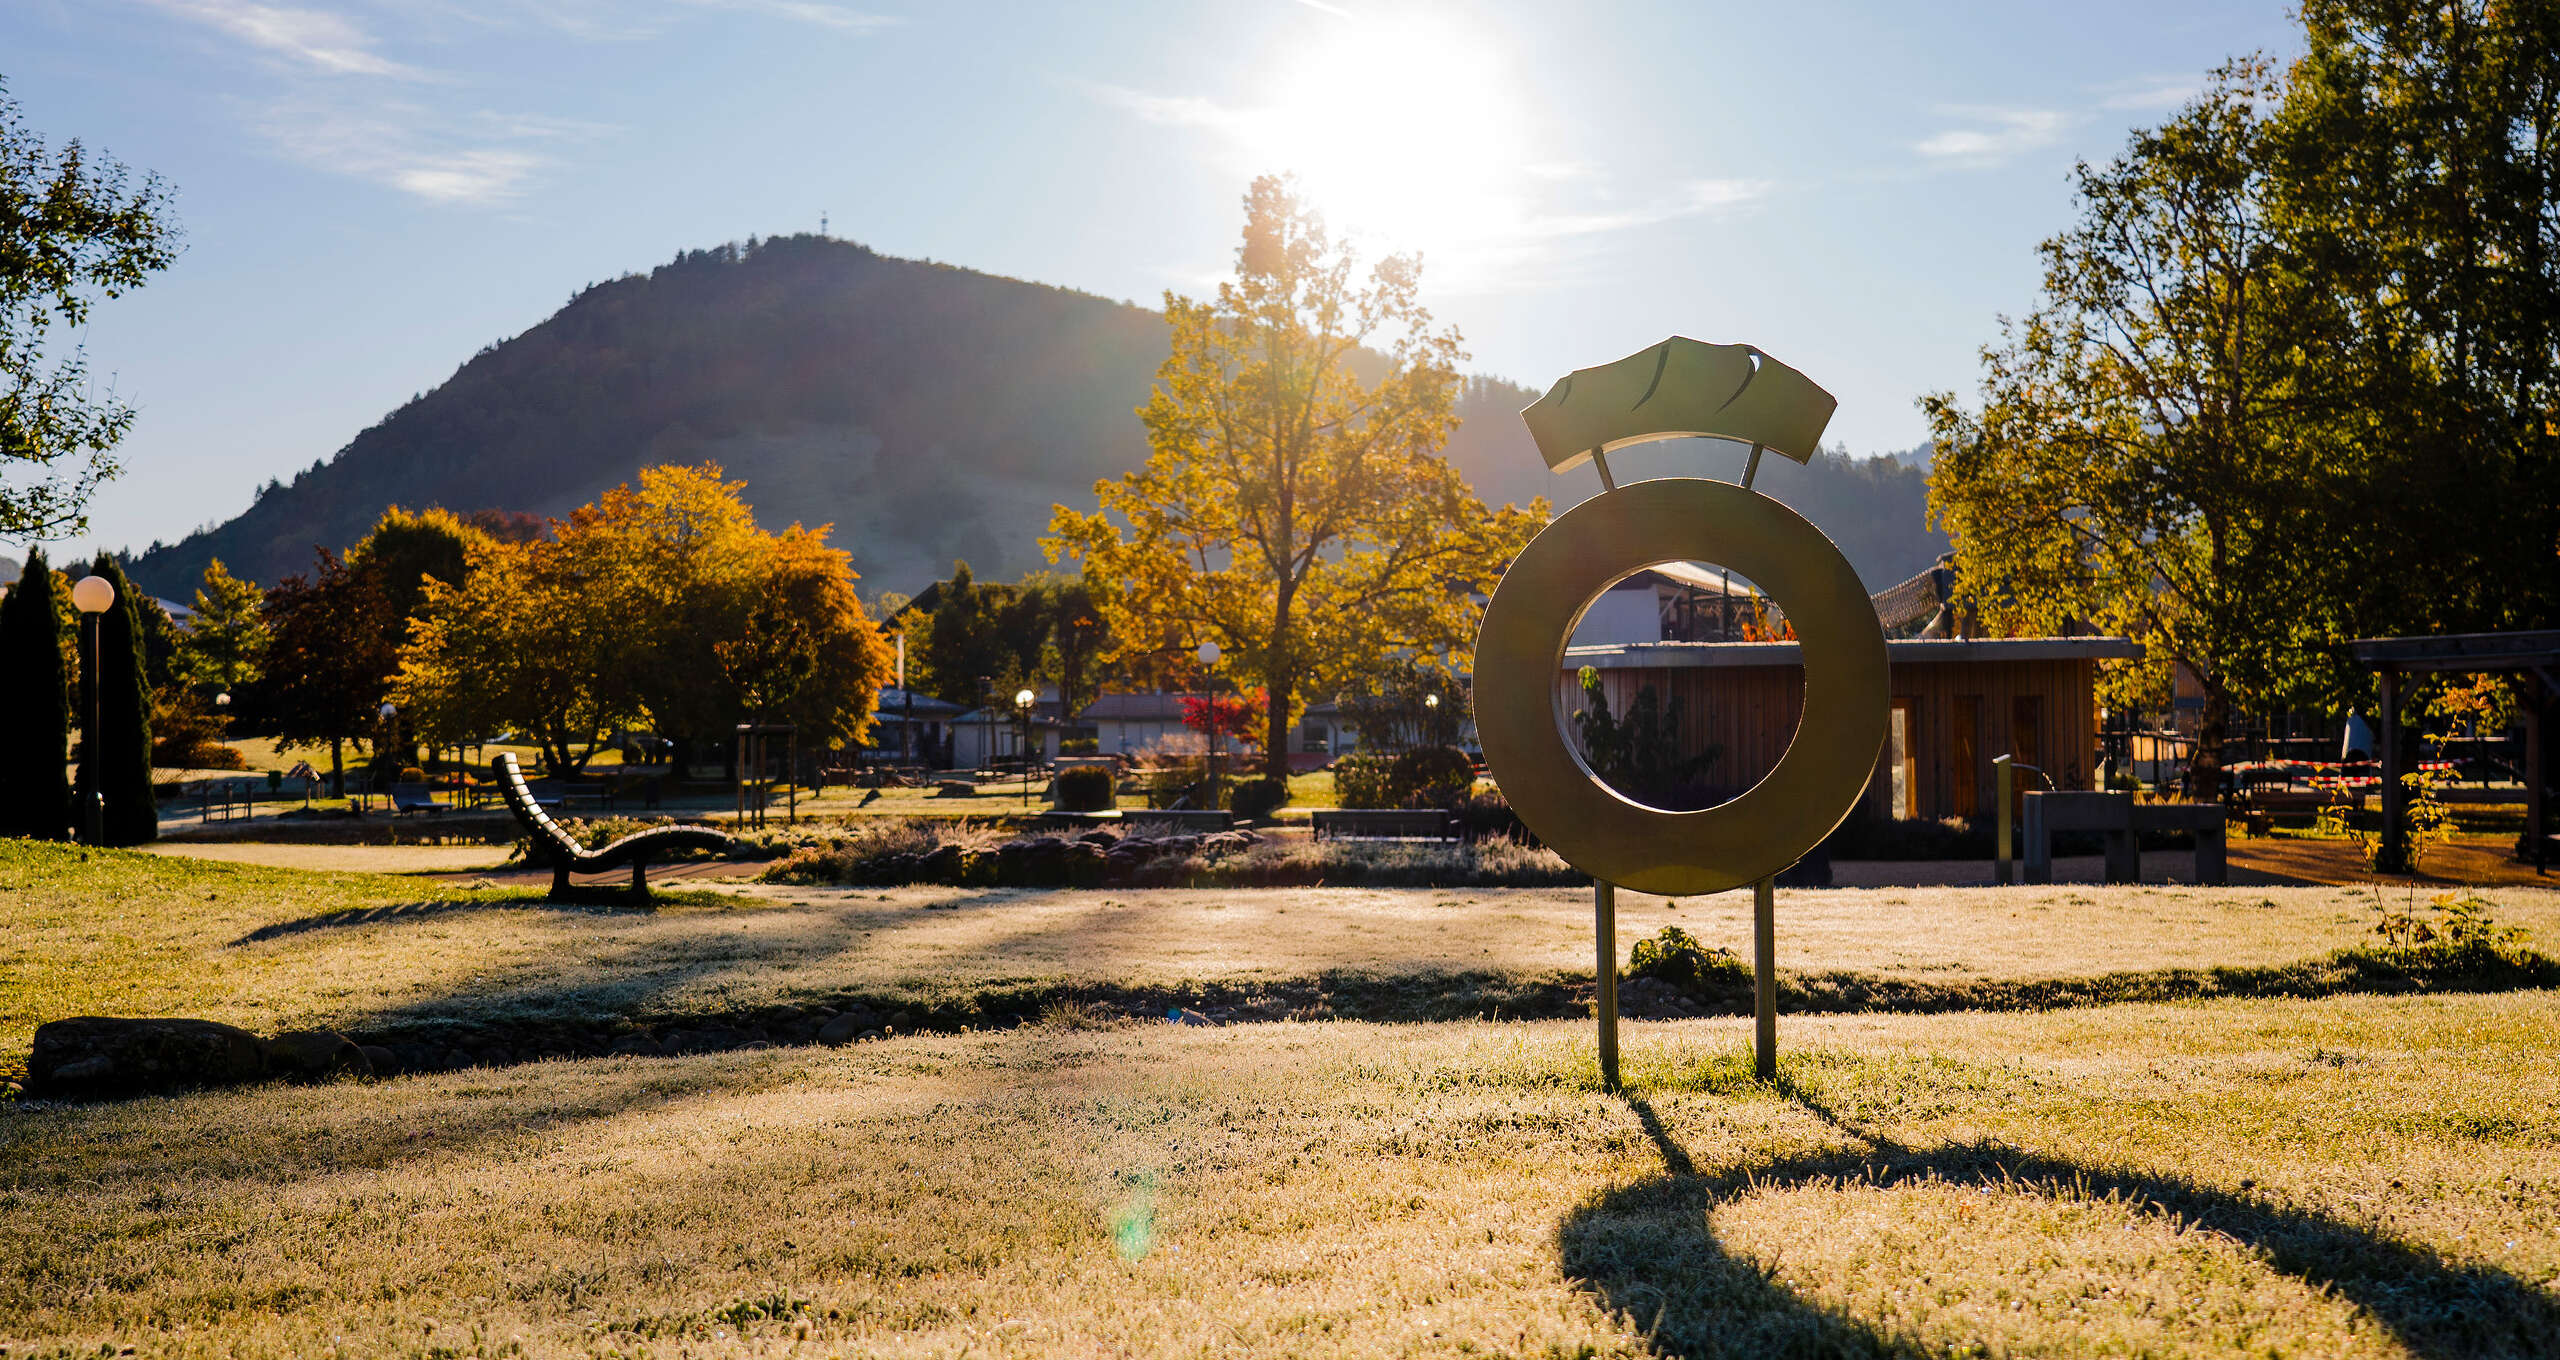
{"type": "Point", "coordinates": [2347, 1176]}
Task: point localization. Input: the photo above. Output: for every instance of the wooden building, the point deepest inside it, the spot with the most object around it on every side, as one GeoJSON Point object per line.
{"type": "Point", "coordinates": [1956, 705]}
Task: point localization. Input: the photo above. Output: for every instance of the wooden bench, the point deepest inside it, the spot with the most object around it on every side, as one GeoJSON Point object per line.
{"type": "Point", "coordinates": [1384, 824]}
{"type": "Point", "coordinates": [567, 856]}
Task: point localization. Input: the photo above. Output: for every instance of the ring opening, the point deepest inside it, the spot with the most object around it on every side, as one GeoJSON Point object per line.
{"type": "Point", "coordinates": [1667, 692]}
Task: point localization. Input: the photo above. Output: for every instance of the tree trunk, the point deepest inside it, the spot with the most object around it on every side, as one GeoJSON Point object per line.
{"type": "Point", "coordinates": [2204, 772]}
{"type": "Point", "coordinates": [337, 767]}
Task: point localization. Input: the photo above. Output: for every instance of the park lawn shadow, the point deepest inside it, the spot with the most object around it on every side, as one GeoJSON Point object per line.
{"type": "Point", "coordinates": [1649, 1252]}
{"type": "Point", "coordinates": [408, 912]}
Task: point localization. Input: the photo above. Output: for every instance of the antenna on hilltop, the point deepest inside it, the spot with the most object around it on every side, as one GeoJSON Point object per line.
{"type": "Point", "coordinates": [822, 221]}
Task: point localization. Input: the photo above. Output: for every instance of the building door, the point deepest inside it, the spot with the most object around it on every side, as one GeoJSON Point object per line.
{"type": "Point", "coordinates": [2026, 730]}
{"type": "Point", "coordinates": [1964, 762]}
{"type": "Point", "coordinates": [1906, 761]}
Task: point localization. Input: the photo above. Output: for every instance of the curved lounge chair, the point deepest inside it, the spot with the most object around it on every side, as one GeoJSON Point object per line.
{"type": "Point", "coordinates": [567, 855]}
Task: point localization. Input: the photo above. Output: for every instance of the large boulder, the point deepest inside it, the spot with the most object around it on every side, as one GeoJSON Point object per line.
{"type": "Point", "coordinates": [313, 1054]}
{"type": "Point", "coordinates": [94, 1056]}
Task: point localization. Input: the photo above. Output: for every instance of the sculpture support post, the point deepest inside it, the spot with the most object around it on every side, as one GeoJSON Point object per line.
{"type": "Point", "coordinates": [1764, 976]}
{"type": "Point", "coordinates": [1604, 920]}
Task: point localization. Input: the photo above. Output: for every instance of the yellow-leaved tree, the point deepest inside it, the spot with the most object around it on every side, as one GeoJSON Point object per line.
{"type": "Point", "coordinates": [663, 603]}
{"type": "Point", "coordinates": [1294, 508]}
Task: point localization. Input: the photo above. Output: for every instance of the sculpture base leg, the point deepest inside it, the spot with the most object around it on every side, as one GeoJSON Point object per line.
{"type": "Point", "coordinates": [1764, 977]}
{"type": "Point", "coordinates": [1604, 919]}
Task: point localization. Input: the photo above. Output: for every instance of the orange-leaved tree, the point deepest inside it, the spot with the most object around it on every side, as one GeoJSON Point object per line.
{"type": "Point", "coordinates": [1294, 507]}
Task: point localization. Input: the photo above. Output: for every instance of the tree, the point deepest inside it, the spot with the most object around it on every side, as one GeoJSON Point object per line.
{"type": "Point", "coordinates": [662, 603]}
{"type": "Point", "coordinates": [35, 794]}
{"type": "Point", "coordinates": [70, 227]}
{"type": "Point", "coordinates": [330, 657]}
{"type": "Point", "coordinates": [520, 644]}
{"type": "Point", "coordinates": [226, 647]}
{"type": "Point", "coordinates": [1390, 704]}
{"type": "Point", "coordinates": [2421, 182]}
{"type": "Point", "coordinates": [115, 760]}
{"type": "Point", "coordinates": [1291, 510]}
{"type": "Point", "coordinates": [2148, 452]}
{"type": "Point", "coordinates": [406, 550]}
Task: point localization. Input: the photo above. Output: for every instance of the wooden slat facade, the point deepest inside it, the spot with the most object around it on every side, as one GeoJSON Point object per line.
{"type": "Point", "coordinates": [1955, 716]}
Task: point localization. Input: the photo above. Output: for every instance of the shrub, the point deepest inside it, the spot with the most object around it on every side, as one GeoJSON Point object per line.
{"type": "Point", "coordinates": [1080, 746]}
{"type": "Point", "coordinates": [1085, 788]}
{"type": "Point", "coordinates": [1488, 817]}
{"type": "Point", "coordinates": [1256, 799]}
{"type": "Point", "coordinates": [1676, 957]}
{"type": "Point", "coordinates": [1362, 780]}
{"type": "Point", "coordinates": [1437, 776]}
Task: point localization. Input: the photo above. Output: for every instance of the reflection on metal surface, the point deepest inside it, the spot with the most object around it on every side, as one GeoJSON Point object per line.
{"type": "Point", "coordinates": [1520, 652]}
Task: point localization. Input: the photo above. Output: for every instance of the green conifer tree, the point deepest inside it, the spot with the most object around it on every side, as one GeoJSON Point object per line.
{"type": "Point", "coordinates": [121, 748]}
{"type": "Point", "coordinates": [35, 792]}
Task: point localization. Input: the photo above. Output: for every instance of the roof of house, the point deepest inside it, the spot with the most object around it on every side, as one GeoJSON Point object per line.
{"type": "Point", "coordinates": [1135, 708]}
{"type": "Point", "coordinates": [894, 705]}
{"type": "Point", "coordinates": [1898, 651]}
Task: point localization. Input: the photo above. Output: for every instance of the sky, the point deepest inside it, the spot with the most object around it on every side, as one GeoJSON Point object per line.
{"type": "Point", "coordinates": [372, 191]}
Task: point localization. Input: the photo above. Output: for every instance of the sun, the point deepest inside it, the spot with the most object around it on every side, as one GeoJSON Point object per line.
{"type": "Point", "coordinates": [1404, 132]}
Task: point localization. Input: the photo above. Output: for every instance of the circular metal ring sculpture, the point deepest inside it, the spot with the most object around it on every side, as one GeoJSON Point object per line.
{"type": "Point", "coordinates": [1520, 654]}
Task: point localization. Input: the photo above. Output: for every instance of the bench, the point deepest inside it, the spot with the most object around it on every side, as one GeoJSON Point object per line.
{"type": "Point", "coordinates": [567, 856]}
{"type": "Point", "coordinates": [1384, 824]}
{"type": "Point", "coordinates": [226, 799]}
{"type": "Point", "coordinates": [2121, 821]}
{"type": "Point", "coordinates": [414, 798]}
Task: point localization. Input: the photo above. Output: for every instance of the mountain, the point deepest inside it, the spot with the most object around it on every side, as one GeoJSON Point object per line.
{"type": "Point", "coordinates": [929, 412]}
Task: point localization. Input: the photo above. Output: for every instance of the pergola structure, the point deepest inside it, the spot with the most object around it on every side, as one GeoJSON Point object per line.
{"type": "Point", "coordinates": [2533, 656]}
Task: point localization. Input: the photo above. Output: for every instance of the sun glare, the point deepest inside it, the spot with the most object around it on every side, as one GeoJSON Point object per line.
{"type": "Point", "coordinates": [1403, 133]}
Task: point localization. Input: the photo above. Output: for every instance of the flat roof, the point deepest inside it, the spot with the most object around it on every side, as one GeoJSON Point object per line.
{"type": "Point", "coordinates": [2459, 652]}
{"type": "Point", "coordinates": [1898, 651]}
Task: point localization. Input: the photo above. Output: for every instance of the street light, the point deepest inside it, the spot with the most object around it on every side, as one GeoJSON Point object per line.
{"type": "Point", "coordinates": [1208, 655]}
{"type": "Point", "coordinates": [1022, 700]}
{"type": "Point", "coordinates": [92, 596]}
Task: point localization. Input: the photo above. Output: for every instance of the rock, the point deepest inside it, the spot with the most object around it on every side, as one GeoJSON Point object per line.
{"type": "Point", "coordinates": [843, 1029]}
{"type": "Point", "coordinates": [93, 1056]}
{"type": "Point", "coordinates": [385, 1062]}
{"type": "Point", "coordinates": [313, 1054]}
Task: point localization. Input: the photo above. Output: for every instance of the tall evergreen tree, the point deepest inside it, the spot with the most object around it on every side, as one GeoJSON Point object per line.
{"type": "Point", "coordinates": [120, 750]}
{"type": "Point", "coordinates": [35, 792]}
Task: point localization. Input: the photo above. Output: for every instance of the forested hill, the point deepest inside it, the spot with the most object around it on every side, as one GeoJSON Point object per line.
{"type": "Point", "coordinates": [928, 412]}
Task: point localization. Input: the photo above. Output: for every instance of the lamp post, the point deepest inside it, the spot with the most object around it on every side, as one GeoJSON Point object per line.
{"type": "Point", "coordinates": [1430, 713]}
{"type": "Point", "coordinates": [92, 596]}
{"type": "Point", "coordinates": [1208, 655]}
{"type": "Point", "coordinates": [1022, 701]}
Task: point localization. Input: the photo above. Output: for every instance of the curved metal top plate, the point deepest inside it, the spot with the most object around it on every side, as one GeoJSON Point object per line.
{"type": "Point", "coordinates": [1681, 387]}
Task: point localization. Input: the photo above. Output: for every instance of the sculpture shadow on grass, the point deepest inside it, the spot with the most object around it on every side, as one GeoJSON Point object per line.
{"type": "Point", "coordinates": [406, 912]}
{"type": "Point", "coordinates": [1650, 1254]}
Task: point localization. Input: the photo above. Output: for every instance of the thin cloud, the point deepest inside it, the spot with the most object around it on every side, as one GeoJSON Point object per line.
{"type": "Point", "coordinates": [315, 38]}
{"type": "Point", "coordinates": [815, 12]}
{"type": "Point", "coordinates": [476, 159]}
{"type": "Point", "coordinates": [2155, 95]}
{"type": "Point", "coordinates": [1998, 134]}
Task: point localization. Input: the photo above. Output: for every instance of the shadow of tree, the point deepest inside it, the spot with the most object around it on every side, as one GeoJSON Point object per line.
{"type": "Point", "coordinates": [1650, 1253]}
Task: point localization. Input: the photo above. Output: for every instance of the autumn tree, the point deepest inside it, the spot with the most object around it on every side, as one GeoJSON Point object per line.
{"type": "Point", "coordinates": [2147, 450]}
{"type": "Point", "coordinates": [661, 602]}
{"type": "Point", "coordinates": [1294, 507]}
{"type": "Point", "coordinates": [520, 644]}
{"type": "Point", "coordinates": [73, 227]}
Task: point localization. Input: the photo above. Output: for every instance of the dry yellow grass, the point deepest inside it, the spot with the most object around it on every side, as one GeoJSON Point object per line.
{"type": "Point", "coordinates": [2353, 1177]}
{"type": "Point", "coordinates": [120, 933]}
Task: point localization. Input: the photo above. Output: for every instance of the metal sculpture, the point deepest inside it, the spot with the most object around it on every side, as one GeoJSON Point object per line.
{"type": "Point", "coordinates": [1681, 388]}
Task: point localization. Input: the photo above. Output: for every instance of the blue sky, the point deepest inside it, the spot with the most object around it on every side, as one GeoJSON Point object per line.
{"type": "Point", "coordinates": [373, 191]}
